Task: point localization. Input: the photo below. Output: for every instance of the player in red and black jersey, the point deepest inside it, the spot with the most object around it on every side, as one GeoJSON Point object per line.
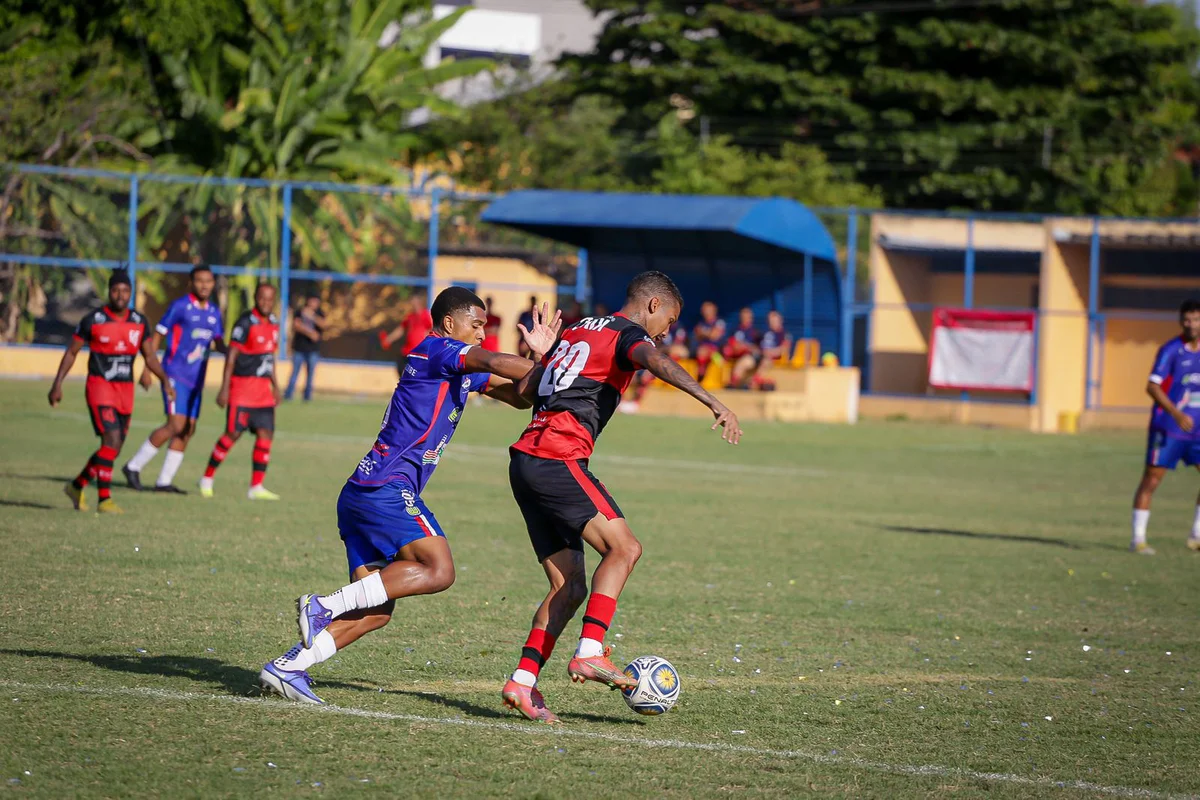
{"type": "Point", "coordinates": [575, 391]}
{"type": "Point", "coordinates": [114, 334]}
{"type": "Point", "coordinates": [249, 391]}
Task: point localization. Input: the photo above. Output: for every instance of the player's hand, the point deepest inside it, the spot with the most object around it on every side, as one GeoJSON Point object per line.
{"type": "Point", "coordinates": [223, 397]}
{"type": "Point", "coordinates": [168, 388]}
{"type": "Point", "coordinates": [145, 382]}
{"type": "Point", "coordinates": [384, 341]}
{"type": "Point", "coordinates": [55, 395]}
{"type": "Point", "coordinates": [544, 334]}
{"type": "Point", "coordinates": [1186, 423]}
{"type": "Point", "coordinates": [728, 421]}
{"type": "Point", "coordinates": [278, 396]}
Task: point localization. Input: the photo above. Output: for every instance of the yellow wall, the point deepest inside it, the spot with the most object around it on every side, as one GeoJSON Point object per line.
{"type": "Point", "coordinates": [1129, 349]}
{"type": "Point", "coordinates": [1062, 333]}
{"type": "Point", "coordinates": [511, 280]}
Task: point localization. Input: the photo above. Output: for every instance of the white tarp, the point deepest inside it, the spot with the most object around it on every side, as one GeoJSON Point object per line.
{"type": "Point", "coordinates": [982, 350]}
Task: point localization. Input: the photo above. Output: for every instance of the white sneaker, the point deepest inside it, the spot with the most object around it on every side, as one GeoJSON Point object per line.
{"type": "Point", "coordinates": [1142, 549]}
{"type": "Point", "coordinates": [261, 492]}
{"type": "Point", "coordinates": [206, 487]}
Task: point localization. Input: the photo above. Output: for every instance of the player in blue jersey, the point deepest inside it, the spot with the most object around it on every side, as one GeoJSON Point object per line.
{"type": "Point", "coordinates": [394, 544]}
{"type": "Point", "coordinates": [1174, 422]}
{"type": "Point", "coordinates": [191, 328]}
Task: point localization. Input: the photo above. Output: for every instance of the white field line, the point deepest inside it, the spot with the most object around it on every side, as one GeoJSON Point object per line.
{"type": "Point", "coordinates": [916, 770]}
{"type": "Point", "coordinates": [650, 462]}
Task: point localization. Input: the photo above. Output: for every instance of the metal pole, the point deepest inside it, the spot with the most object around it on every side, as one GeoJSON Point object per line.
{"type": "Point", "coordinates": [849, 278]}
{"type": "Point", "coordinates": [1093, 308]}
{"type": "Point", "coordinates": [808, 292]}
{"type": "Point", "coordinates": [131, 253]}
{"type": "Point", "coordinates": [285, 270]}
{"type": "Point", "coordinates": [435, 198]}
{"type": "Point", "coordinates": [581, 277]}
{"type": "Point", "coordinates": [969, 280]}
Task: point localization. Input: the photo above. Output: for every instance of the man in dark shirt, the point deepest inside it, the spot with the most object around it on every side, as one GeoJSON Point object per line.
{"type": "Point", "coordinates": [308, 323]}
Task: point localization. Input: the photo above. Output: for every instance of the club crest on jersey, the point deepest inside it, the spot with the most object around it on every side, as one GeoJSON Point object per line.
{"type": "Point", "coordinates": [435, 455]}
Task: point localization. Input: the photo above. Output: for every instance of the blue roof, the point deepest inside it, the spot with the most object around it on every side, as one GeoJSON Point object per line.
{"type": "Point", "coordinates": [598, 219]}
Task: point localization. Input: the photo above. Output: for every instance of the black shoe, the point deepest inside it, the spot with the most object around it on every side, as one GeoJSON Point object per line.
{"type": "Point", "coordinates": [170, 489]}
{"type": "Point", "coordinates": [133, 477]}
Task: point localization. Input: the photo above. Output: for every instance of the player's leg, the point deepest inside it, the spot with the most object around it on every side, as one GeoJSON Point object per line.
{"type": "Point", "coordinates": [157, 438]}
{"type": "Point", "coordinates": [619, 552]}
{"type": "Point", "coordinates": [568, 590]}
{"type": "Point", "coordinates": [1162, 454]}
{"type": "Point", "coordinates": [236, 419]}
{"type": "Point", "coordinates": [262, 423]}
{"type": "Point", "coordinates": [110, 447]}
{"type": "Point", "coordinates": [185, 428]}
{"type": "Point", "coordinates": [1193, 541]}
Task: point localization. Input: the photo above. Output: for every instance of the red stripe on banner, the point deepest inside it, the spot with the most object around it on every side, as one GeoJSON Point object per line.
{"type": "Point", "coordinates": [595, 495]}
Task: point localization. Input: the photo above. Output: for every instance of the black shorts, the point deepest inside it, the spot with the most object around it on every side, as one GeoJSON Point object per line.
{"type": "Point", "coordinates": [243, 418]}
{"type": "Point", "coordinates": [107, 418]}
{"type": "Point", "coordinates": [558, 499]}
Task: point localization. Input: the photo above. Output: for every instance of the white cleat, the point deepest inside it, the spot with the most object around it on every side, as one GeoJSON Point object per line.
{"type": "Point", "coordinates": [206, 487]}
{"type": "Point", "coordinates": [1194, 544]}
{"type": "Point", "coordinates": [261, 492]}
{"type": "Point", "coordinates": [1142, 549]}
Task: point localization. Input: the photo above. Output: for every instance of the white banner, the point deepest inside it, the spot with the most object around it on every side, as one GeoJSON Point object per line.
{"type": "Point", "coordinates": [982, 350]}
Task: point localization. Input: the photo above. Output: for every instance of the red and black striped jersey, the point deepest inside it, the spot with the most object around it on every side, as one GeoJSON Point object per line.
{"type": "Point", "coordinates": [252, 344]}
{"type": "Point", "coordinates": [114, 341]}
{"type": "Point", "coordinates": [581, 385]}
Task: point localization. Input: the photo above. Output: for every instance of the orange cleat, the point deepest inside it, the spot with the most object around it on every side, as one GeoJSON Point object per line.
{"type": "Point", "coordinates": [599, 669]}
{"type": "Point", "coordinates": [528, 701]}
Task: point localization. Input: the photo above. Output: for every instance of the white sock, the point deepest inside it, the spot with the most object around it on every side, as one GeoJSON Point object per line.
{"type": "Point", "coordinates": [171, 462]}
{"type": "Point", "coordinates": [525, 678]}
{"type": "Point", "coordinates": [588, 648]}
{"type": "Point", "coordinates": [1141, 518]}
{"type": "Point", "coordinates": [206, 483]}
{"type": "Point", "coordinates": [367, 593]}
{"type": "Point", "coordinates": [299, 658]}
{"type": "Point", "coordinates": [142, 457]}
{"type": "Point", "coordinates": [1196, 524]}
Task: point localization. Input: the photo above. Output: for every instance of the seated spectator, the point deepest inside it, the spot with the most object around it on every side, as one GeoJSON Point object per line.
{"type": "Point", "coordinates": [743, 350]}
{"type": "Point", "coordinates": [776, 344]}
{"type": "Point", "coordinates": [708, 335]}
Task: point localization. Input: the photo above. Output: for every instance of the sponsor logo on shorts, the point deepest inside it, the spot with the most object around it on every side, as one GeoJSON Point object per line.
{"type": "Point", "coordinates": [410, 503]}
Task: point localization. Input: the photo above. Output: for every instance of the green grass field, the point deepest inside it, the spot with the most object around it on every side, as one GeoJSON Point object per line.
{"type": "Point", "coordinates": [885, 610]}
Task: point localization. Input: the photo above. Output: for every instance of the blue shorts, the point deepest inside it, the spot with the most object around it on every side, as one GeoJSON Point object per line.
{"type": "Point", "coordinates": [1166, 451]}
{"type": "Point", "coordinates": [376, 521]}
{"type": "Point", "coordinates": [186, 402]}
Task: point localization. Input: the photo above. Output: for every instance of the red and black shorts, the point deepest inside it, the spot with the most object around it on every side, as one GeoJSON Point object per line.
{"type": "Point", "coordinates": [249, 418]}
{"type": "Point", "coordinates": [107, 418]}
{"type": "Point", "coordinates": [558, 499]}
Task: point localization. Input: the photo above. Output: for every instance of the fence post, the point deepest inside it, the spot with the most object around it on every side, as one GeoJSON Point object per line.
{"type": "Point", "coordinates": [285, 270]}
{"type": "Point", "coordinates": [808, 287]}
{"type": "Point", "coordinates": [581, 277]}
{"type": "Point", "coordinates": [969, 266]}
{"type": "Point", "coordinates": [435, 198]}
{"type": "Point", "coordinates": [1093, 308]}
{"type": "Point", "coordinates": [131, 252]}
{"type": "Point", "coordinates": [849, 281]}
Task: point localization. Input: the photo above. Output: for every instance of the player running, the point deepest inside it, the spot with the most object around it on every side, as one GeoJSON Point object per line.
{"type": "Point", "coordinates": [394, 545]}
{"type": "Point", "coordinates": [576, 390]}
{"type": "Point", "coordinates": [1174, 422]}
{"type": "Point", "coordinates": [249, 392]}
{"type": "Point", "coordinates": [114, 333]}
{"type": "Point", "coordinates": [192, 327]}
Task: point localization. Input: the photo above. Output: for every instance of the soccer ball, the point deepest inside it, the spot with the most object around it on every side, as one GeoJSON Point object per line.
{"type": "Point", "coordinates": [657, 685]}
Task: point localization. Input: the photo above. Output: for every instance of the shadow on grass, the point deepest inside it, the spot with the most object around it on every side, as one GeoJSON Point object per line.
{"type": "Point", "coordinates": [19, 476]}
{"type": "Point", "coordinates": [26, 504]}
{"type": "Point", "coordinates": [471, 709]}
{"type": "Point", "coordinates": [1002, 537]}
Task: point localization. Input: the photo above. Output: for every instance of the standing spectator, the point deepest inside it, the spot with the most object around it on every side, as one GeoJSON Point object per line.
{"type": "Point", "coordinates": [573, 314]}
{"type": "Point", "coordinates": [308, 324]}
{"type": "Point", "coordinates": [776, 344]}
{"type": "Point", "coordinates": [491, 329]}
{"type": "Point", "coordinates": [415, 326]}
{"type": "Point", "coordinates": [526, 319]}
{"type": "Point", "coordinates": [709, 335]}
{"type": "Point", "coordinates": [743, 350]}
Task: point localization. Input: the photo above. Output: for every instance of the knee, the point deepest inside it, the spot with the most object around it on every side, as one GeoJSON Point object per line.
{"type": "Point", "coordinates": [179, 427]}
{"type": "Point", "coordinates": [440, 576]}
{"type": "Point", "coordinates": [627, 549]}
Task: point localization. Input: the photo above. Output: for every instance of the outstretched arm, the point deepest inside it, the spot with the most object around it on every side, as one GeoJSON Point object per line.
{"type": "Point", "coordinates": [509, 394]}
{"type": "Point", "coordinates": [64, 368]}
{"type": "Point", "coordinates": [514, 368]}
{"type": "Point", "coordinates": [663, 367]}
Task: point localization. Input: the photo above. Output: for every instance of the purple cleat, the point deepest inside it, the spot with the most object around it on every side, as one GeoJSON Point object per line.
{"type": "Point", "coordinates": [311, 618]}
{"type": "Point", "coordinates": [293, 685]}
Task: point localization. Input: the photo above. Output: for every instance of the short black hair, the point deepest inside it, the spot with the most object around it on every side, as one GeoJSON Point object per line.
{"type": "Point", "coordinates": [200, 268]}
{"type": "Point", "coordinates": [263, 285]}
{"type": "Point", "coordinates": [653, 283]}
{"type": "Point", "coordinates": [1188, 306]}
{"type": "Point", "coordinates": [118, 277]}
{"type": "Point", "coordinates": [453, 300]}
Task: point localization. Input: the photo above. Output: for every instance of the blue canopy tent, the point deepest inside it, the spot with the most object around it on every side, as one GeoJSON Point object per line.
{"type": "Point", "coordinates": [736, 251]}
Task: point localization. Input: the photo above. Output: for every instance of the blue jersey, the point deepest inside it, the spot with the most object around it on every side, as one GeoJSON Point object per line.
{"type": "Point", "coordinates": [422, 415]}
{"type": "Point", "coordinates": [1177, 371]}
{"type": "Point", "coordinates": [190, 329]}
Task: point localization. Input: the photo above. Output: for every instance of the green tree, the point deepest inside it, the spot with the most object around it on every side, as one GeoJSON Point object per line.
{"type": "Point", "coordinates": [1068, 106]}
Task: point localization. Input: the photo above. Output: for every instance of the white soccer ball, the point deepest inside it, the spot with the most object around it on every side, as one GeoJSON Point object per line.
{"type": "Point", "coordinates": [657, 685]}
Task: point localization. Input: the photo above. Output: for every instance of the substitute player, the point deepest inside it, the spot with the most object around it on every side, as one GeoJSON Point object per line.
{"type": "Point", "coordinates": [575, 392]}
{"type": "Point", "coordinates": [1174, 435]}
{"type": "Point", "coordinates": [192, 327]}
{"type": "Point", "coordinates": [114, 333]}
{"type": "Point", "coordinates": [394, 545]}
{"type": "Point", "coordinates": [249, 392]}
